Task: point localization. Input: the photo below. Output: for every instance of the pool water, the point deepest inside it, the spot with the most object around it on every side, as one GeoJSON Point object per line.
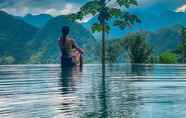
{"type": "Point", "coordinates": [125, 91]}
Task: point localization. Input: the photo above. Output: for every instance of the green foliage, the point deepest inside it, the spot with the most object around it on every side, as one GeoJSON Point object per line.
{"type": "Point", "coordinates": [183, 45]}
{"type": "Point", "coordinates": [97, 27]}
{"type": "Point", "coordinates": [168, 58]}
{"type": "Point", "coordinates": [138, 49]}
{"type": "Point", "coordinates": [107, 11]}
{"type": "Point", "coordinates": [7, 59]}
{"type": "Point", "coordinates": [114, 50]}
{"type": "Point", "coordinates": [36, 58]}
{"type": "Point", "coordinates": [127, 3]}
{"type": "Point", "coordinates": [181, 48]}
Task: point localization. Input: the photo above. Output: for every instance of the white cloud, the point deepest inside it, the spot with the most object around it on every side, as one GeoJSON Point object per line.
{"type": "Point", "coordinates": [67, 9]}
{"type": "Point", "coordinates": [22, 11]}
{"type": "Point", "coordinates": [181, 9]}
{"type": "Point", "coordinates": [70, 8]}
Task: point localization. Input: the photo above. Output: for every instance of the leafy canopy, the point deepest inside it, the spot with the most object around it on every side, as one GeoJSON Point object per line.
{"type": "Point", "coordinates": [168, 58]}
{"type": "Point", "coordinates": [138, 49]}
{"type": "Point", "coordinates": [115, 10]}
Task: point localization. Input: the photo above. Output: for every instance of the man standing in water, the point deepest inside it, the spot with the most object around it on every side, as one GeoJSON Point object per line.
{"type": "Point", "coordinates": [71, 54]}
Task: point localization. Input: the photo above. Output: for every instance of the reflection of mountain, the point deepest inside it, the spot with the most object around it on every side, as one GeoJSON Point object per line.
{"type": "Point", "coordinates": [14, 36]}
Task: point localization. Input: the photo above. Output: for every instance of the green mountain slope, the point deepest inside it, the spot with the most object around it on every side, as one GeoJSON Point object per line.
{"type": "Point", "coordinates": [46, 41]}
{"type": "Point", "coordinates": [22, 43]}
{"type": "Point", "coordinates": [165, 39]}
{"type": "Point", "coordinates": [14, 36]}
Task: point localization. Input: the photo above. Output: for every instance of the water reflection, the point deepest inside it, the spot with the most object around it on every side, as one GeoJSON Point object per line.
{"type": "Point", "coordinates": [123, 92]}
{"type": "Point", "coordinates": [141, 70]}
{"type": "Point", "coordinates": [103, 98]}
{"type": "Point", "coordinates": [67, 78]}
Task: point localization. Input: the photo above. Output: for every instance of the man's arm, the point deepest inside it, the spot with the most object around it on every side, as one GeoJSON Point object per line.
{"type": "Point", "coordinates": [76, 47]}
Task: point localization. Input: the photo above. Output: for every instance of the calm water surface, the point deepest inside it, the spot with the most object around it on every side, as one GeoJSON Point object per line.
{"type": "Point", "coordinates": [138, 91]}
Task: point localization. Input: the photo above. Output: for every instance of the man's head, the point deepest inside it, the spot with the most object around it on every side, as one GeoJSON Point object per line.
{"type": "Point", "coordinates": [65, 30]}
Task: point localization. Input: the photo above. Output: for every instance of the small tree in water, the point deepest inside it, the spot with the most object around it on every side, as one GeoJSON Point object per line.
{"type": "Point", "coordinates": [181, 49]}
{"type": "Point", "coordinates": [183, 46]}
{"type": "Point", "coordinates": [107, 10]}
{"type": "Point", "coordinates": [114, 50]}
{"type": "Point", "coordinates": [138, 49]}
{"type": "Point", "coordinates": [168, 58]}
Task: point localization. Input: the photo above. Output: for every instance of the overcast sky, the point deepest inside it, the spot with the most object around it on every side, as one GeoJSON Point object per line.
{"type": "Point", "coordinates": [62, 7]}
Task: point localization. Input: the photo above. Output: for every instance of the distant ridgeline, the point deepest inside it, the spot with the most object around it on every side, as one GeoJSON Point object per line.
{"type": "Point", "coordinates": [162, 30]}
{"type": "Point", "coordinates": [22, 42]}
{"type": "Point", "coordinates": [33, 39]}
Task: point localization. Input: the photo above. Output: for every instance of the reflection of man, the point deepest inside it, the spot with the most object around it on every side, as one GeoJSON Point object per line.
{"type": "Point", "coordinates": [68, 78]}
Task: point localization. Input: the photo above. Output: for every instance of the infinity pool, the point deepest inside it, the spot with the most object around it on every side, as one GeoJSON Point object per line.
{"type": "Point", "coordinates": [126, 91]}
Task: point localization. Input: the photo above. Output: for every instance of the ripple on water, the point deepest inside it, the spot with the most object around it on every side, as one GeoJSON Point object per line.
{"type": "Point", "coordinates": [126, 91]}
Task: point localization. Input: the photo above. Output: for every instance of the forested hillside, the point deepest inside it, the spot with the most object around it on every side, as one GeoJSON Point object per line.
{"type": "Point", "coordinates": [46, 41]}
{"type": "Point", "coordinates": [14, 36]}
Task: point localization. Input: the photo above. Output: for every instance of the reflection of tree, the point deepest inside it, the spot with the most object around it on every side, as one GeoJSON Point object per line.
{"type": "Point", "coordinates": [140, 70]}
{"type": "Point", "coordinates": [117, 99]}
{"type": "Point", "coordinates": [137, 70]}
{"type": "Point", "coordinates": [103, 99]}
{"type": "Point", "coordinates": [123, 100]}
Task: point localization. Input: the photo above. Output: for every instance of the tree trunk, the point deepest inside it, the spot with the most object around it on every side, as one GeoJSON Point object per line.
{"type": "Point", "coordinates": [102, 20]}
{"type": "Point", "coordinates": [103, 46]}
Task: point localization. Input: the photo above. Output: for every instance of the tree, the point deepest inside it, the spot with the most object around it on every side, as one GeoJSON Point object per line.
{"type": "Point", "coordinates": [168, 58]}
{"type": "Point", "coordinates": [114, 50]}
{"type": "Point", "coordinates": [106, 10]}
{"type": "Point", "coordinates": [181, 49]}
{"type": "Point", "coordinates": [138, 49]}
{"type": "Point", "coordinates": [183, 46]}
{"type": "Point", "coordinates": [7, 59]}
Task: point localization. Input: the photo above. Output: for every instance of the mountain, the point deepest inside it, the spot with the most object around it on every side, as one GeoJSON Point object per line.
{"type": "Point", "coordinates": [24, 43]}
{"type": "Point", "coordinates": [151, 21]}
{"type": "Point", "coordinates": [36, 20]}
{"type": "Point", "coordinates": [165, 39]}
{"type": "Point", "coordinates": [14, 36]}
{"type": "Point", "coordinates": [46, 40]}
